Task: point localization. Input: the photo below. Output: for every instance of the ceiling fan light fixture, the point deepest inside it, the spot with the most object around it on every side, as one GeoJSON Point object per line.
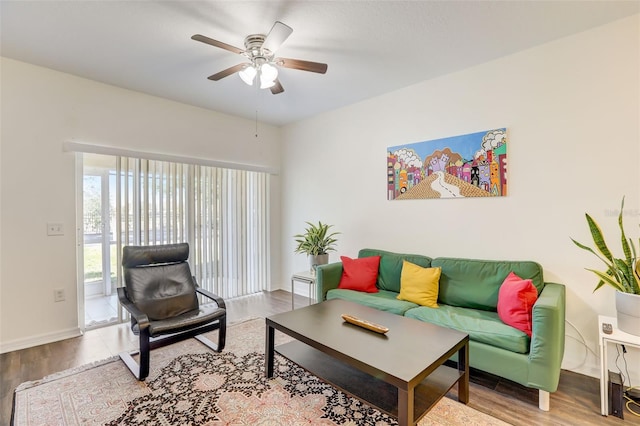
{"type": "Point", "coordinates": [267, 84]}
{"type": "Point", "coordinates": [269, 72]}
{"type": "Point", "coordinates": [248, 74]}
{"type": "Point", "coordinates": [268, 76]}
{"type": "Point", "coordinates": [262, 63]}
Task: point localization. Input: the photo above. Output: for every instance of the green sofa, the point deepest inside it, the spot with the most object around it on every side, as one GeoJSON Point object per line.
{"type": "Point", "coordinates": [467, 299]}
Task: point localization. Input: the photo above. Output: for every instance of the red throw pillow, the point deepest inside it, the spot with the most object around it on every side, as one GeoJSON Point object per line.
{"type": "Point", "coordinates": [515, 302]}
{"type": "Point", "coordinates": [360, 274]}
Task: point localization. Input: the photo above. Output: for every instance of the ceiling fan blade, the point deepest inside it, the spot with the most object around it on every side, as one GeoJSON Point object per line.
{"type": "Point", "coordinates": [216, 43]}
{"type": "Point", "coordinates": [298, 64]}
{"type": "Point", "coordinates": [225, 73]}
{"type": "Point", "coordinates": [277, 88]}
{"type": "Point", "coordinates": [278, 34]}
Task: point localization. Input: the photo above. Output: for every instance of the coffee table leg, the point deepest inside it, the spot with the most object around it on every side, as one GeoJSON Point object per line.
{"type": "Point", "coordinates": [463, 367]}
{"type": "Point", "coordinates": [268, 353]}
{"type": "Point", "coordinates": [405, 407]}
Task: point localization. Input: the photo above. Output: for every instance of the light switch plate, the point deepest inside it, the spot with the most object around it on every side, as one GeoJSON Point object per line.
{"type": "Point", "coordinates": [58, 295]}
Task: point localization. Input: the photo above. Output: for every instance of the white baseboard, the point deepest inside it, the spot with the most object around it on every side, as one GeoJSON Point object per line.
{"type": "Point", "coordinates": [41, 339]}
{"type": "Point", "coordinates": [587, 370]}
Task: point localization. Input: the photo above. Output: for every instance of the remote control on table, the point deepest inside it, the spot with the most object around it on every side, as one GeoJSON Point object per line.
{"type": "Point", "coordinates": [607, 328]}
{"type": "Point", "coordinates": [365, 324]}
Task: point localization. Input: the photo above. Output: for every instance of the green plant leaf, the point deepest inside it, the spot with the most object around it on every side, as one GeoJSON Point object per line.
{"type": "Point", "coordinates": [598, 238]}
{"type": "Point", "coordinates": [624, 274]}
{"type": "Point", "coordinates": [607, 279]}
{"type": "Point", "coordinates": [621, 274]}
{"type": "Point", "coordinates": [629, 254]}
{"type": "Point", "coordinates": [316, 239]}
{"type": "Point", "coordinates": [590, 250]}
{"type": "Point", "coordinates": [636, 289]}
{"type": "Point", "coordinates": [600, 284]}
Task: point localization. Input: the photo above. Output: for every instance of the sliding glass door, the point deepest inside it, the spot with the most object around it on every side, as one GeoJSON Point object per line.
{"type": "Point", "coordinates": [222, 213]}
{"type": "Point", "coordinates": [98, 242]}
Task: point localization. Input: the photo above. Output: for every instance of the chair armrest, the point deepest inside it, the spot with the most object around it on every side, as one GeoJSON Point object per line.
{"type": "Point", "coordinates": [141, 318]}
{"type": "Point", "coordinates": [219, 301]}
{"type": "Point", "coordinates": [547, 340]}
{"type": "Point", "coordinates": [327, 278]}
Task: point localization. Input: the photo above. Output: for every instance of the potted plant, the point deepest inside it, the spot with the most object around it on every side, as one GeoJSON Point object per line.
{"type": "Point", "coordinates": [623, 274]}
{"type": "Point", "coordinates": [316, 242]}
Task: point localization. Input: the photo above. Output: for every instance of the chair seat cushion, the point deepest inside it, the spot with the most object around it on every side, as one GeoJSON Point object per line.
{"type": "Point", "coordinates": [481, 326]}
{"type": "Point", "coordinates": [189, 320]}
{"type": "Point", "coordinates": [383, 300]}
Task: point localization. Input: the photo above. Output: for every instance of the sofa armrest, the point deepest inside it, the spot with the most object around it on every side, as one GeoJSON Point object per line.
{"type": "Point", "coordinates": [547, 340]}
{"type": "Point", "coordinates": [327, 277]}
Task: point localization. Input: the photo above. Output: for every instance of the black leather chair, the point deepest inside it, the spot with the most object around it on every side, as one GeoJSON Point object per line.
{"type": "Point", "coordinates": [161, 295]}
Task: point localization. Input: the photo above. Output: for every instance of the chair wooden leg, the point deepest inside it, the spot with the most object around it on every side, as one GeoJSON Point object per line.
{"type": "Point", "coordinates": [222, 333]}
{"type": "Point", "coordinates": [130, 363]}
{"type": "Point", "coordinates": [139, 370]}
{"type": "Point", "coordinates": [145, 350]}
{"type": "Point", "coordinates": [222, 337]}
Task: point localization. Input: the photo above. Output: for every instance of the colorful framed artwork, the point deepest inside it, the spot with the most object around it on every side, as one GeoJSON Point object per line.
{"type": "Point", "coordinates": [472, 165]}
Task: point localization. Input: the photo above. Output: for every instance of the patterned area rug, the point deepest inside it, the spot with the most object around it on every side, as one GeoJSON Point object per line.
{"type": "Point", "coordinates": [191, 385]}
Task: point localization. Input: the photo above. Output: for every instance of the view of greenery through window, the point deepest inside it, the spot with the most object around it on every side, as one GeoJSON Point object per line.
{"type": "Point", "coordinates": [92, 210]}
{"type": "Point", "coordinates": [93, 262]}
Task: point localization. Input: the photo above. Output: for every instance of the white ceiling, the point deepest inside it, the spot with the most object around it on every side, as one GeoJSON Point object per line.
{"type": "Point", "coordinates": [371, 47]}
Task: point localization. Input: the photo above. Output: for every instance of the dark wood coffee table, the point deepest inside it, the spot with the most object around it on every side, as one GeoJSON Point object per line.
{"type": "Point", "coordinates": [402, 372]}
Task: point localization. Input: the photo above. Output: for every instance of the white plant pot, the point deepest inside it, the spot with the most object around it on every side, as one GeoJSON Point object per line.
{"type": "Point", "coordinates": [628, 312]}
{"type": "Point", "coordinates": [315, 260]}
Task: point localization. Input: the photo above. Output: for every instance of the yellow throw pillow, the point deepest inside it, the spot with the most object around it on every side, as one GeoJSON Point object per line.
{"type": "Point", "coordinates": [419, 285]}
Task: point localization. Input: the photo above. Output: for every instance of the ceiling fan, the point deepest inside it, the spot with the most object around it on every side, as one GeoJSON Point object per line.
{"type": "Point", "coordinates": [262, 65]}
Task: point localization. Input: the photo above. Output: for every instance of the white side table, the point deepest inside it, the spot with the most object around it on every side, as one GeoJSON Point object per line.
{"type": "Point", "coordinates": [303, 277]}
{"type": "Point", "coordinates": [616, 337]}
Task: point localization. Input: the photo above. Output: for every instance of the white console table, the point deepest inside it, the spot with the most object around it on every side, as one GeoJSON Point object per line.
{"type": "Point", "coordinates": [616, 337]}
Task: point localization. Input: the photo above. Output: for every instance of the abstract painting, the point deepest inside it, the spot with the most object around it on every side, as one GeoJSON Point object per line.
{"type": "Point", "coordinates": [472, 165]}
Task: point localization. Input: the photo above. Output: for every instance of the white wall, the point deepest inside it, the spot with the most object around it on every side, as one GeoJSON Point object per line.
{"type": "Point", "coordinates": [572, 112]}
{"type": "Point", "coordinates": [41, 109]}
{"type": "Point", "coordinates": [571, 107]}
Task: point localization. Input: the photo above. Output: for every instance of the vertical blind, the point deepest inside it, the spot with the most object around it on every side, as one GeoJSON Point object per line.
{"type": "Point", "coordinates": [222, 213]}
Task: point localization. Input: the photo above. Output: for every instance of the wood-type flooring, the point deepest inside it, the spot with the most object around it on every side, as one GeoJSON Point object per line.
{"type": "Point", "coordinates": [577, 401]}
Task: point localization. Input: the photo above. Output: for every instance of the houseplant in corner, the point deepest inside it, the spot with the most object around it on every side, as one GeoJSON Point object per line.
{"type": "Point", "coordinates": [316, 242]}
{"type": "Point", "coordinates": [621, 274]}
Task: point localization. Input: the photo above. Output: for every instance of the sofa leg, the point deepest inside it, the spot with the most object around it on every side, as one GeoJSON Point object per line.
{"type": "Point", "coordinates": [543, 400]}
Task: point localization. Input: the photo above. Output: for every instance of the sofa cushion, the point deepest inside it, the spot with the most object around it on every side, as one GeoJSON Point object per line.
{"type": "Point", "coordinates": [419, 285]}
{"type": "Point", "coordinates": [481, 326]}
{"type": "Point", "coordinates": [383, 300]}
{"type": "Point", "coordinates": [515, 302]}
{"type": "Point", "coordinates": [391, 266]}
{"type": "Point", "coordinates": [475, 284]}
{"type": "Point", "coordinates": [359, 274]}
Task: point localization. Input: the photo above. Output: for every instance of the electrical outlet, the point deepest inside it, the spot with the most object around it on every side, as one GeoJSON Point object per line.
{"type": "Point", "coordinates": [58, 295]}
{"type": "Point", "coordinates": [55, 229]}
